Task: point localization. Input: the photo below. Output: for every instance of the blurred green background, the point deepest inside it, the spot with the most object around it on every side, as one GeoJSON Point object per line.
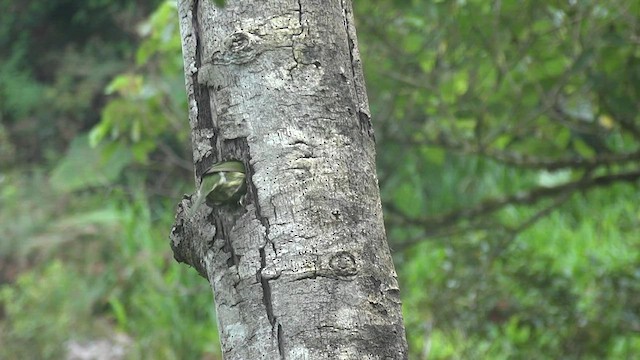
{"type": "Point", "coordinates": [508, 161]}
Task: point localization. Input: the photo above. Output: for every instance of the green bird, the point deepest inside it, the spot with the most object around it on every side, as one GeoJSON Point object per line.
{"type": "Point", "coordinates": [223, 183]}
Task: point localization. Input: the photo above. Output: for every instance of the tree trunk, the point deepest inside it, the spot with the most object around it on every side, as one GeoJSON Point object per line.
{"type": "Point", "coordinates": [301, 269]}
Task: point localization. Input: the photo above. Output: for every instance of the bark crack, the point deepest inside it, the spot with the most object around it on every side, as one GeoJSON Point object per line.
{"type": "Point", "coordinates": [267, 298]}
{"type": "Point", "coordinates": [222, 234]}
{"type": "Point", "coordinates": [300, 18]}
{"type": "Point", "coordinates": [201, 93]}
{"type": "Point", "coordinates": [280, 341]}
{"type": "Point", "coordinates": [266, 289]}
{"type": "Point", "coordinates": [364, 119]}
{"type": "Point", "coordinates": [351, 44]}
{"type": "Point", "coordinates": [293, 42]}
{"type": "Point", "coordinates": [268, 304]}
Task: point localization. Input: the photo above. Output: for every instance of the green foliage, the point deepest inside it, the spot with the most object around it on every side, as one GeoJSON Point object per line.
{"type": "Point", "coordinates": [147, 107]}
{"type": "Point", "coordinates": [7, 149]}
{"type": "Point", "coordinates": [82, 255]}
{"type": "Point", "coordinates": [55, 58]}
{"type": "Point", "coordinates": [43, 311]}
{"type": "Point", "coordinates": [118, 276]}
{"type": "Point", "coordinates": [450, 66]}
{"type": "Point", "coordinates": [463, 93]}
{"type": "Point", "coordinates": [475, 104]}
{"type": "Point", "coordinates": [28, 205]}
{"type": "Point", "coordinates": [167, 308]}
{"type": "Point", "coordinates": [84, 166]}
{"type": "Point", "coordinates": [567, 286]}
{"type": "Point", "coordinates": [25, 92]}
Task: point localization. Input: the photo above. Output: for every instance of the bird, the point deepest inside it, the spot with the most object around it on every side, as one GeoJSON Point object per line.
{"type": "Point", "coordinates": [224, 183]}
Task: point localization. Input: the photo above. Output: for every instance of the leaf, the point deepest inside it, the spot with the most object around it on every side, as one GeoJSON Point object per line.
{"type": "Point", "coordinates": [562, 138]}
{"type": "Point", "coordinates": [413, 43]}
{"type": "Point", "coordinates": [85, 166]}
{"type": "Point", "coordinates": [583, 149]}
{"type": "Point", "coordinates": [98, 133]}
{"type": "Point", "coordinates": [119, 311]}
{"type": "Point", "coordinates": [405, 198]}
{"type": "Point", "coordinates": [606, 121]}
{"type": "Point", "coordinates": [125, 84]}
{"type": "Point", "coordinates": [550, 179]}
{"type": "Point", "coordinates": [502, 141]}
{"type": "Point", "coordinates": [434, 155]}
{"type": "Point", "coordinates": [141, 150]}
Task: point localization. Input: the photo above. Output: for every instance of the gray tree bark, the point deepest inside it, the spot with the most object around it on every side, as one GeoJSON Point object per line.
{"type": "Point", "coordinates": [301, 270]}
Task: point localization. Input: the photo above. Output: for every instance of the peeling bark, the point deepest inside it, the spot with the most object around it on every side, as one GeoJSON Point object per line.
{"type": "Point", "coordinates": [301, 270]}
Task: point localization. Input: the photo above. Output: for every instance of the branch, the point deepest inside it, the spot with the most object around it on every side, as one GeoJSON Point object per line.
{"type": "Point", "coordinates": [541, 213]}
{"type": "Point", "coordinates": [532, 162]}
{"type": "Point", "coordinates": [524, 198]}
{"type": "Point", "coordinates": [519, 160]}
{"type": "Point", "coordinates": [512, 232]}
{"type": "Point", "coordinates": [444, 226]}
